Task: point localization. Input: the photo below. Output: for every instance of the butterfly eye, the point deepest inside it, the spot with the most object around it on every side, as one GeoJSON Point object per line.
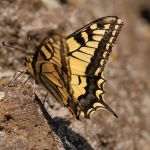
{"type": "Point", "coordinates": [25, 61]}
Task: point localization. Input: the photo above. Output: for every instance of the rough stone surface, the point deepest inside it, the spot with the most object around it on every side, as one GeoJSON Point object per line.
{"type": "Point", "coordinates": [27, 124]}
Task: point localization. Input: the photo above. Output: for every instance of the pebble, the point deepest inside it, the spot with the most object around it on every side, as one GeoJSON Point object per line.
{"type": "Point", "coordinates": [2, 95]}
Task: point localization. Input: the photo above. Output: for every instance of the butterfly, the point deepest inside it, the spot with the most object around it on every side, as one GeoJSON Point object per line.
{"type": "Point", "coordinates": [71, 68]}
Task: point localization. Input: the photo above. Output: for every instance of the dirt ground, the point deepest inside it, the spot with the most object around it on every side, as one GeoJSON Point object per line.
{"type": "Point", "coordinates": [27, 124]}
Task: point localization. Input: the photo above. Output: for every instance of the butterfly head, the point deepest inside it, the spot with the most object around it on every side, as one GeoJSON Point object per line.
{"type": "Point", "coordinates": [28, 64]}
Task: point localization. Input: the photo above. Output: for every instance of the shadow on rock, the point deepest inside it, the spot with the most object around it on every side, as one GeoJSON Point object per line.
{"type": "Point", "coordinates": [70, 139]}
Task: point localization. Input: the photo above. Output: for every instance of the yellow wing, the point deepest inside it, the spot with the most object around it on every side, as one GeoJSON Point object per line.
{"type": "Point", "coordinates": [49, 66]}
{"type": "Point", "coordinates": [89, 49]}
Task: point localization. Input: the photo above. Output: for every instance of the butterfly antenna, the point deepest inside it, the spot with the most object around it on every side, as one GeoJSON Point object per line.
{"type": "Point", "coordinates": [6, 45]}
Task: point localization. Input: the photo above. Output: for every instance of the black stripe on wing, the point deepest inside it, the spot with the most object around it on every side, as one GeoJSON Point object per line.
{"type": "Point", "coordinates": [108, 28]}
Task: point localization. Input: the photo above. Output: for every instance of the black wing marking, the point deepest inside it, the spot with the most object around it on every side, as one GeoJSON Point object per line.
{"type": "Point", "coordinates": [89, 49]}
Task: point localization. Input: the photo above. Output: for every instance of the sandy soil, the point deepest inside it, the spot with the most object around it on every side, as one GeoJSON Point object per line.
{"type": "Point", "coordinates": [27, 124]}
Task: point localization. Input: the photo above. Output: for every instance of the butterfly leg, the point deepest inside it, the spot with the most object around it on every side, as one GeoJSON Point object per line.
{"type": "Point", "coordinates": [26, 80]}
{"type": "Point", "coordinates": [45, 98]}
{"type": "Point", "coordinates": [15, 77]}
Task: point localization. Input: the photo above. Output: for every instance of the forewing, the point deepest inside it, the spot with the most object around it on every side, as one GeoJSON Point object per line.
{"type": "Point", "coordinates": [89, 49]}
